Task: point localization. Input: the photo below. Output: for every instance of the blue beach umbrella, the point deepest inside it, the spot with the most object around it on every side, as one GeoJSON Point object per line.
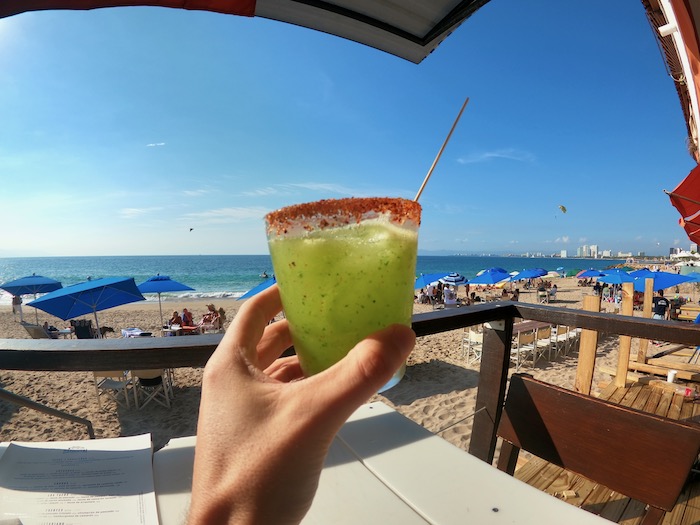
{"type": "Point", "coordinates": [427, 278]}
{"type": "Point", "coordinates": [662, 280]}
{"type": "Point", "coordinates": [162, 284]}
{"type": "Point", "coordinates": [695, 277]}
{"type": "Point", "coordinates": [32, 284]}
{"type": "Point", "coordinates": [490, 276]}
{"type": "Point", "coordinates": [259, 288]}
{"type": "Point", "coordinates": [615, 276]}
{"type": "Point", "coordinates": [89, 297]}
{"type": "Point", "coordinates": [454, 279]}
{"type": "Point", "coordinates": [589, 273]}
{"type": "Point", "coordinates": [643, 272]}
{"type": "Point", "coordinates": [530, 273]}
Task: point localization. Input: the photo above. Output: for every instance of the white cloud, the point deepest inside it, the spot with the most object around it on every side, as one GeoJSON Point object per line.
{"type": "Point", "coordinates": [261, 192]}
{"type": "Point", "coordinates": [154, 144]}
{"type": "Point", "coordinates": [132, 213]}
{"type": "Point", "coordinates": [324, 187]}
{"type": "Point", "coordinates": [508, 154]}
{"type": "Point", "coordinates": [195, 193]}
{"type": "Point", "coordinates": [563, 239]}
{"type": "Point", "coordinates": [228, 215]}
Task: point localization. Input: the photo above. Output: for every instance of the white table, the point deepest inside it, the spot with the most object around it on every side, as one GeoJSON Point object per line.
{"type": "Point", "coordinates": [383, 468]}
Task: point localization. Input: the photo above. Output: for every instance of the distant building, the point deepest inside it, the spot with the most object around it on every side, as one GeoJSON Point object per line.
{"type": "Point", "coordinates": [694, 247]}
{"type": "Point", "coordinates": [594, 250]}
{"type": "Point", "coordinates": [563, 254]}
{"type": "Point", "coordinates": [606, 253]}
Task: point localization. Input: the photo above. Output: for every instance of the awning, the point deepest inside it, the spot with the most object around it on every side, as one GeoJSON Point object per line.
{"type": "Point", "coordinates": [410, 29]}
{"type": "Point", "coordinates": [686, 199]}
{"type": "Point", "coordinates": [675, 24]}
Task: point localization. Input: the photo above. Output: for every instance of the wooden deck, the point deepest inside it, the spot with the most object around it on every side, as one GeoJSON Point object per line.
{"type": "Point", "coordinates": [611, 505]}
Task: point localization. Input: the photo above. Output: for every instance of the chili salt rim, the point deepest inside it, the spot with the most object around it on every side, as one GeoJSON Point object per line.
{"type": "Point", "coordinates": [329, 213]}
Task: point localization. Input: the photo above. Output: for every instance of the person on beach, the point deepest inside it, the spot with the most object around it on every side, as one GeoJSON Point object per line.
{"type": "Point", "coordinates": [187, 318]}
{"type": "Point", "coordinates": [264, 429]}
{"type": "Point", "coordinates": [175, 319]}
{"type": "Point", "coordinates": [211, 319]}
{"type": "Point", "coordinates": [450, 296]}
{"type": "Point", "coordinates": [660, 306]}
{"type": "Point", "coordinates": [17, 306]}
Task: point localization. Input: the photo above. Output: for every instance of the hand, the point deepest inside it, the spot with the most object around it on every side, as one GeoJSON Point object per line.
{"type": "Point", "coordinates": [264, 430]}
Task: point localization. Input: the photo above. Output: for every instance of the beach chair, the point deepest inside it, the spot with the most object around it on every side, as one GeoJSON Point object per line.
{"type": "Point", "coordinates": [543, 344]}
{"type": "Point", "coordinates": [114, 384]}
{"type": "Point", "coordinates": [523, 346]}
{"type": "Point", "coordinates": [37, 331]}
{"type": "Point", "coordinates": [151, 385]}
{"type": "Point", "coordinates": [472, 345]}
{"type": "Point", "coordinates": [83, 329]}
{"type": "Point", "coordinates": [642, 456]}
{"type": "Point", "coordinates": [561, 340]}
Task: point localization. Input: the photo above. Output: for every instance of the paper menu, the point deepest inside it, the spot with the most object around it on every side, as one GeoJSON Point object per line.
{"type": "Point", "coordinates": [105, 481]}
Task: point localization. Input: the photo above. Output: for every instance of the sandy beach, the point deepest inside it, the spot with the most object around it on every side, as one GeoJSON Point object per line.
{"type": "Point", "coordinates": [438, 391]}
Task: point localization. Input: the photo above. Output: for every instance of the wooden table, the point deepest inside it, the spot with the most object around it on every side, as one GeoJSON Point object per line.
{"type": "Point", "coordinates": [529, 326]}
{"type": "Point", "coordinates": [383, 468]}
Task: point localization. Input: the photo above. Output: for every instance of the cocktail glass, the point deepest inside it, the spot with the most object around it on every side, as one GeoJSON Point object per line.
{"type": "Point", "coordinates": [345, 269]}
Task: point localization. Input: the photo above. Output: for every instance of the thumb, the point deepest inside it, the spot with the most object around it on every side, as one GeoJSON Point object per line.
{"type": "Point", "coordinates": [367, 367]}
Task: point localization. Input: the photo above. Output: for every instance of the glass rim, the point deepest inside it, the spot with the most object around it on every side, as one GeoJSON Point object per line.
{"type": "Point", "coordinates": [334, 213]}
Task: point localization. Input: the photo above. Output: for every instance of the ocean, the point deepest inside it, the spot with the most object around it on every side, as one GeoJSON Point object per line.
{"type": "Point", "coordinates": [230, 276]}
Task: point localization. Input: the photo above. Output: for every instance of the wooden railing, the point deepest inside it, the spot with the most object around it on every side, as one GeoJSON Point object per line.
{"type": "Point", "coordinates": [175, 352]}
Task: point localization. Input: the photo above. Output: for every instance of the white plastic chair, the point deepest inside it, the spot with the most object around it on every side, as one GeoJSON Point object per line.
{"type": "Point", "coordinates": [114, 384]}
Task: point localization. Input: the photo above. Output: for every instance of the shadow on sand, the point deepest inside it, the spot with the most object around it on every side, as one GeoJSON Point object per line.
{"type": "Point", "coordinates": [428, 379]}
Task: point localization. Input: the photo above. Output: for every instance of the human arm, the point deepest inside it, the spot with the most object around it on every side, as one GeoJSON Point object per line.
{"type": "Point", "coordinates": [264, 430]}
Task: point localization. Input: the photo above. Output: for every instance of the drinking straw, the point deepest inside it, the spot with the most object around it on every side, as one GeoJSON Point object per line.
{"type": "Point", "coordinates": [437, 158]}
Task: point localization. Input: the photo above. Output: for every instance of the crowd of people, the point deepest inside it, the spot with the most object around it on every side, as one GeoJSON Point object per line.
{"type": "Point", "coordinates": [445, 294]}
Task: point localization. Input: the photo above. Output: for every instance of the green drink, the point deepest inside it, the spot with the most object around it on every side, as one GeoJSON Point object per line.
{"type": "Point", "coordinates": [345, 269]}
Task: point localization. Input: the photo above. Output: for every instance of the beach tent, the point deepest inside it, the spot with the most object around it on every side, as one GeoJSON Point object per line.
{"type": "Point", "coordinates": [410, 30]}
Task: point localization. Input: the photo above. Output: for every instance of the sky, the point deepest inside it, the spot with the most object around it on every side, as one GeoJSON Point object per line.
{"type": "Point", "coordinates": [155, 131]}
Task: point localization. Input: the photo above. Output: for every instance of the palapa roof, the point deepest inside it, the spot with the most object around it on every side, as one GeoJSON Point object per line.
{"type": "Point", "coordinates": [410, 29]}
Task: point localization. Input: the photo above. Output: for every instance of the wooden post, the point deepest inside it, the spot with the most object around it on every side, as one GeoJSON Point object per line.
{"type": "Point", "coordinates": [491, 392]}
{"type": "Point", "coordinates": [623, 358]}
{"type": "Point", "coordinates": [587, 349]}
{"type": "Point", "coordinates": [646, 313]}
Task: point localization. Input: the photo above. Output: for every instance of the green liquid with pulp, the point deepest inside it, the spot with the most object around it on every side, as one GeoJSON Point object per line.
{"type": "Point", "coordinates": [340, 285]}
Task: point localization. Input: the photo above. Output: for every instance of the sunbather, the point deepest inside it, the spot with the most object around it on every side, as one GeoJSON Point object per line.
{"type": "Point", "coordinates": [264, 430]}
